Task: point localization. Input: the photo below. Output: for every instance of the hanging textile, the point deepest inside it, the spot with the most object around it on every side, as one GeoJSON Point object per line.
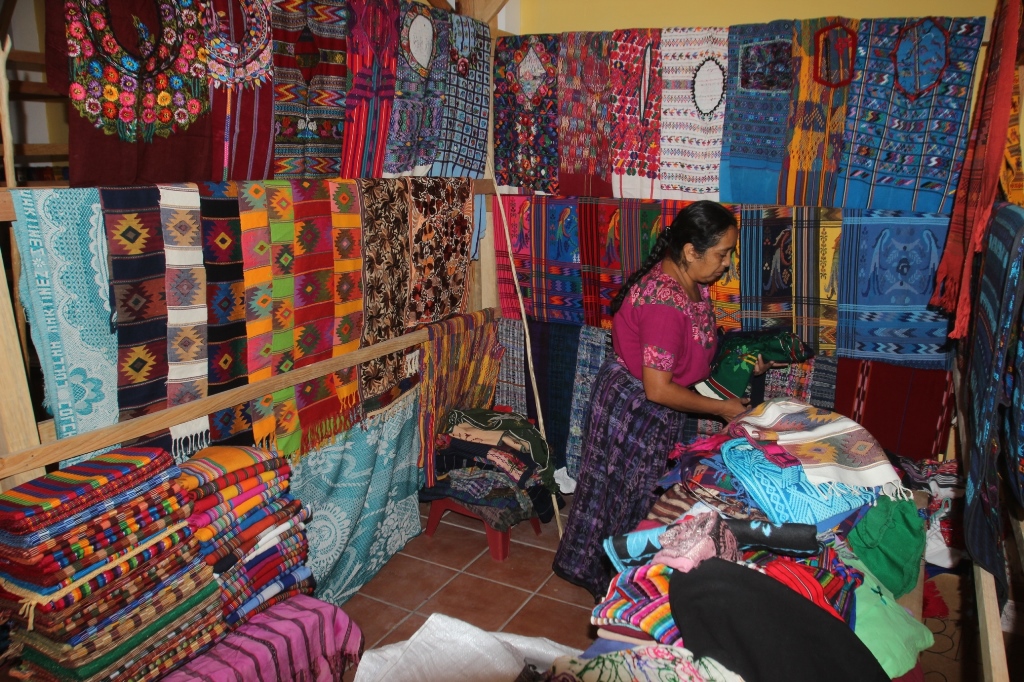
{"type": "Point", "coordinates": [758, 96]}
{"type": "Point", "coordinates": [519, 210]}
{"type": "Point", "coordinates": [185, 289]}
{"type": "Point", "coordinates": [695, 67]}
{"type": "Point", "coordinates": [972, 206]}
{"type": "Point", "coordinates": [555, 347]}
{"type": "Point", "coordinates": [372, 62]}
{"type": "Point", "coordinates": [594, 346]}
{"type": "Point", "coordinates": [137, 267]}
{"type": "Point", "coordinates": [311, 79]}
{"type": "Point", "coordinates": [60, 236]}
{"type": "Point", "coordinates": [459, 366]}
{"type": "Point", "coordinates": [386, 279]}
{"type": "Point", "coordinates": [440, 227]}
{"type": "Point", "coordinates": [557, 276]}
{"type": "Point", "coordinates": [870, 393]}
{"type": "Point", "coordinates": [510, 390]}
{"type": "Point", "coordinates": [225, 303]}
{"type": "Point", "coordinates": [816, 265]}
{"type": "Point", "coordinates": [526, 112]}
{"type": "Point", "coordinates": [766, 267]}
{"type": "Point", "coordinates": [999, 302]}
{"type": "Point", "coordinates": [259, 300]}
{"type": "Point", "coordinates": [584, 125]}
{"type": "Point", "coordinates": [888, 264]}
{"type": "Point", "coordinates": [462, 145]}
{"type": "Point", "coordinates": [241, 71]}
{"type": "Point", "coordinates": [137, 114]}
{"type": "Point", "coordinates": [906, 125]}
{"type": "Point", "coordinates": [420, 81]}
{"type": "Point", "coordinates": [640, 224]}
{"type": "Point", "coordinates": [599, 236]}
{"type": "Point", "coordinates": [823, 57]}
{"type": "Point", "coordinates": [1011, 179]}
{"type": "Point", "coordinates": [346, 219]}
{"type": "Point", "coordinates": [361, 490]}
{"type": "Point", "coordinates": [636, 112]}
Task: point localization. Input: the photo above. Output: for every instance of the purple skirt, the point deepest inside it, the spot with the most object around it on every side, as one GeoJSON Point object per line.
{"type": "Point", "coordinates": [626, 442]}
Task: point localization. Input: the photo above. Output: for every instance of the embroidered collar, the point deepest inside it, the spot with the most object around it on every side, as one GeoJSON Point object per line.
{"type": "Point", "coordinates": [249, 62]}
{"type": "Point", "coordinates": [161, 90]}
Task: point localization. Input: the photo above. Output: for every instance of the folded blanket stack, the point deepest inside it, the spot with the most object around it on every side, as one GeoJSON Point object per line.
{"type": "Point", "coordinates": [102, 572]}
{"type": "Point", "coordinates": [251, 533]}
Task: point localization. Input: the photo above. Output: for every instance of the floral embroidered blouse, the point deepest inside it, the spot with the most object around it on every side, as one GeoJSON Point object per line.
{"type": "Point", "coordinates": [658, 326]}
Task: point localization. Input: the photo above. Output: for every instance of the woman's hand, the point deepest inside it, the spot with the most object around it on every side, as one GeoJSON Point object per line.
{"type": "Point", "coordinates": [760, 367]}
{"type": "Point", "coordinates": [729, 409]}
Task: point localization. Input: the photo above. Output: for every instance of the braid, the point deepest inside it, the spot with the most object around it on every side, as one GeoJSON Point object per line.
{"type": "Point", "coordinates": [657, 253]}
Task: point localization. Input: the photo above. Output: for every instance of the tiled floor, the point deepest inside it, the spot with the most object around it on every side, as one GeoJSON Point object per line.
{"type": "Point", "coordinates": [453, 573]}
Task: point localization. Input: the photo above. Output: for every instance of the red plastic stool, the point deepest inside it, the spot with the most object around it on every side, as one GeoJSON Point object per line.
{"type": "Point", "coordinates": [497, 541]}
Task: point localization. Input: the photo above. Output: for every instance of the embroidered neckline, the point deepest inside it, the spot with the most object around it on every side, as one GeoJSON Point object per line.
{"type": "Point", "coordinates": [162, 90]}
{"type": "Point", "coordinates": [246, 63]}
{"type": "Point", "coordinates": [414, 12]}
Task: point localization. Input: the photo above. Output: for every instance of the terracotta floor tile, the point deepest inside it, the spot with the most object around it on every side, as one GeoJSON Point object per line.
{"type": "Point", "coordinates": [406, 629]}
{"type": "Point", "coordinates": [548, 538]}
{"type": "Point", "coordinates": [526, 567]}
{"type": "Point", "coordinates": [451, 546]}
{"type": "Point", "coordinates": [374, 618]}
{"type": "Point", "coordinates": [407, 582]}
{"type": "Point", "coordinates": [476, 601]}
{"type": "Point", "coordinates": [543, 617]}
{"type": "Point", "coordinates": [562, 590]}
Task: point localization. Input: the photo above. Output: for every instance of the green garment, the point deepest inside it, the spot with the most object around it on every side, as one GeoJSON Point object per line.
{"type": "Point", "coordinates": [890, 541]}
{"type": "Point", "coordinates": [736, 356]}
{"type": "Point", "coordinates": [516, 432]}
{"type": "Point", "coordinates": [887, 630]}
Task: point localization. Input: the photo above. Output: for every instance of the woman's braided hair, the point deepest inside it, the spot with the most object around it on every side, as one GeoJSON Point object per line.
{"type": "Point", "coordinates": [702, 224]}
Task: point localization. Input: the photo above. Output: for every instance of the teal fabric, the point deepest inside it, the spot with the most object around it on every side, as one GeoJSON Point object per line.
{"type": "Point", "coordinates": [65, 289]}
{"type": "Point", "coordinates": [893, 635]}
{"type": "Point", "coordinates": [361, 490]}
{"type": "Point", "coordinates": [784, 494]}
{"type": "Point", "coordinates": [890, 541]}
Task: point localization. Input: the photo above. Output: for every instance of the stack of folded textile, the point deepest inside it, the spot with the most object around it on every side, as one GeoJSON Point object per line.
{"type": "Point", "coordinates": [496, 464]}
{"type": "Point", "coordinates": [101, 570]}
{"type": "Point", "coordinates": [251, 532]}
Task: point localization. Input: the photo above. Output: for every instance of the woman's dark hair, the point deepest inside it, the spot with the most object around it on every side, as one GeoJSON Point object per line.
{"type": "Point", "coordinates": [702, 224]}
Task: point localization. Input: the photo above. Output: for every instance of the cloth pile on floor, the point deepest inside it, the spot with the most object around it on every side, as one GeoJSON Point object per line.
{"type": "Point", "coordinates": [251, 532]}
{"type": "Point", "coordinates": [102, 572]}
{"type": "Point", "coordinates": [299, 639]}
{"type": "Point", "coordinates": [497, 465]}
{"type": "Point", "coordinates": [789, 494]}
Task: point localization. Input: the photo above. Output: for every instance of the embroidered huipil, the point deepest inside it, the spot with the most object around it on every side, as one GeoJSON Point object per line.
{"type": "Point", "coordinates": [584, 126]}
{"type": "Point", "coordinates": [636, 113]}
{"type": "Point", "coordinates": [462, 144]}
{"type": "Point", "coordinates": [140, 114]}
{"type": "Point", "coordinates": [658, 326]}
{"type": "Point", "coordinates": [372, 61]}
{"type": "Point", "coordinates": [420, 82]}
{"type": "Point", "coordinates": [242, 97]}
{"type": "Point", "coordinates": [310, 82]}
{"type": "Point", "coordinates": [526, 112]}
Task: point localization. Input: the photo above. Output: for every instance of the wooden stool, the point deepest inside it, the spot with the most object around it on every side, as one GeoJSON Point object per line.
{"type": "Point", "coordinates": [497, 541]}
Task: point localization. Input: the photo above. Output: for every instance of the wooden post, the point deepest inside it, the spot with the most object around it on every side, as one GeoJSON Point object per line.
{"type": "Point", "coordinates": [5, 114]}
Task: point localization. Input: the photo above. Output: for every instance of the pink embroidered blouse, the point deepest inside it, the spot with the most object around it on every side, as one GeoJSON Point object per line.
{"type": "Point", "coordinates": [658, 326]}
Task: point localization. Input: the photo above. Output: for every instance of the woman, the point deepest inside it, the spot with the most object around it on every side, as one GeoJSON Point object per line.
{"type": "Point", "coordinates": [663, 334]}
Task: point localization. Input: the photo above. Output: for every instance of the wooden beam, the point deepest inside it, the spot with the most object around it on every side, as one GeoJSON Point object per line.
{"type": "Point", "coordinates": [27, 458]}
{"type": "Point", "coordinates": [481, 10]}
{"type": "Point", "coordinates": [439, 4]}
{"type": "Point", "coordinates": [6, 16]}
{"type": "Point", "coordinates": [30, 90]}
{"type": "Point", "coordinates": [7, 213]}
{"type": "Point", "coordinates": [37, 150]}
{"type": "Point", "coordinates": [26, 60]}
{"type": "Point", "coordinates": [993, 649]}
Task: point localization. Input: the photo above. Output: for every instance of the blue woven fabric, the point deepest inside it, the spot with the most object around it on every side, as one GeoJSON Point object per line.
{"type": "Point", "coordinates": [1000, 294]}
{"type": "Point", "coordinates": [361, 493]}
{"type": "Point", "coordinates": [784, 494]}
{"type": "Point", "coordinates": [594, 345]}
{"type": "Point", "coordinates": [888, 261]}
